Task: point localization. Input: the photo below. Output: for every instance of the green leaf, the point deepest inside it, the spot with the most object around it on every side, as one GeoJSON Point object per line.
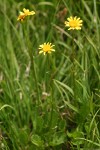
{"type": "Point", "coordinates": [76, 134]}
{"type": "Point", "coordinates": [36, 140]}
{"type": "Point", "coordinates": [62, 125]}
{"type": "Point", "coordinates": [58, 138]}
{"type": "Point", "coordinates": [64, 86]}
{"type": "Point", "coordinates": [23, 137]}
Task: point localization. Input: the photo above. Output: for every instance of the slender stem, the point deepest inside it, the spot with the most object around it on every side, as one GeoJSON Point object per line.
{"type": "Point", "coordinates": [73, 63]}
{"type": "Point", "coordinates": [50, 63]}
{"type": "Point", "coordinates": [33, 69]}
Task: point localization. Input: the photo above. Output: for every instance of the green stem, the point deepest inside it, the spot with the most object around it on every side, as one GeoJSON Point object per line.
{"type": "Point", "coordinates": [50, 67]}
{"type": "Point", "coordinates": [26, 31]}
{"type": "Point", "coordinates": [73, 64]}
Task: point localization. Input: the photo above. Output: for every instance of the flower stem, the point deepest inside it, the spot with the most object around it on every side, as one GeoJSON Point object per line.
{"type": "Point", "coordinates": [32, 60]}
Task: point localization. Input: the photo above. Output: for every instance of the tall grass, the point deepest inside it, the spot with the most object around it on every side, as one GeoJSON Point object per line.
{"type": "Point", "coordinates": [49, 102]}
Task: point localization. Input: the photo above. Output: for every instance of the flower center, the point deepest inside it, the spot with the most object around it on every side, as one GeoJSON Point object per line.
{"type": "Point", "coordinates": [22, 17]}
{"type": "Point", "coordinates": [73, 23]}
{"type": "Point", "coordinates": [46, 48]}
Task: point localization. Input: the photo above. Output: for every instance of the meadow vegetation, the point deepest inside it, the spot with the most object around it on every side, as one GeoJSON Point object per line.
{"type": "Point", "coordinates": [51, 101]}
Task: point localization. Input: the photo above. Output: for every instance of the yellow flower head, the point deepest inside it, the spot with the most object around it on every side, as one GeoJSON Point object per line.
{"type": "Point", "coordinates": [21, 16]}
{"type": "Point", "coordinates": [25, 13]}
{"type": "Point", "coordinates": [73, 23]}
{"type": "Point", "coordinates": [46, 48]}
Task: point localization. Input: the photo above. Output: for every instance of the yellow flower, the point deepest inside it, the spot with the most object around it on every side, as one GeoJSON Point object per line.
{"type": "Point", "coordinates": [46, 48]}
{"type": "Point", "coordinates": [21, 16]}
{"type": "Point", "coordinates": [25, 13]}
{"type": "Point", "coordinates": [73, 23]}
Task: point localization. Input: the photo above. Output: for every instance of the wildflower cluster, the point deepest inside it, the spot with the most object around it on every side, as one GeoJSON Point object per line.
{"type": "Point", "coordinates": [72, 22]}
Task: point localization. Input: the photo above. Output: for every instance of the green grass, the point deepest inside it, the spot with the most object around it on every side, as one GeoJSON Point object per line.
{"type": "Point", "coordinates": [49, 102]}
